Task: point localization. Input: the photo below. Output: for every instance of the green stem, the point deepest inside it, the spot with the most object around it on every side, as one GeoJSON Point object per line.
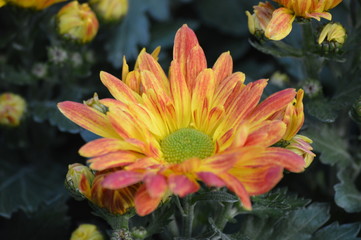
{"type": "Point", "coordinates": [224, 217]}
{"type": "Point", "coordinates": [187, 217]}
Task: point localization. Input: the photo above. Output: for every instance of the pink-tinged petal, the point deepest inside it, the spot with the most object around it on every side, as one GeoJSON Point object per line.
{"type": "Point", "coordinates": [219, 163]}
{"type": "Point", "coordinates": [181, 95]}
{"type": "Point", "coordinates": [185, 39]}
{"type": "Point", "coordinates": [267, 134]}
{"type": "Point", "coordinates": [280, 25]}
{"type": "Point", "coordinates": [147, 62]}
{"type": "Point", "coordinates": [196, 63]}
{"type": "Point", "coordinates": [114, 159]}
{"type": "Point", "coordinates": [102, 146]}
{"type": "Point", "coordinates": [223, 67]}
{"type": "Point", "coordinates": [181, 185]}
{"type": "Point", "coordinates": [88, 118]}
{"type": "Point", "coordinates": [271, 156]}
{"type": "Point", "coordinates": [236, 186]}
{"type": "Point", "coordinates": [145, 163]}
{"type": "Point", "coordinates": [144, 203]}
{"type": "Point", "coordinates": [258, 180]}
{"type": "Point", "coordinates": [121, 179]}
{"type": "Point", "coordinates": [118, 89]}
{"type": "Point", "coordinates": [211, 179]}
{"type": "Point", "coordinates": [319, 15]}
{"type": "Point", "coordinates": [226, 86]}
{"type": "Point", "coordinates": [272, 104]}
{"type": "Point", "coordinates": [156, 185]}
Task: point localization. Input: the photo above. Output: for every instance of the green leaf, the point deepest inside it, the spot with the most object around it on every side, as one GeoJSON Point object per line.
{"type": "Point", "coordinates": [225, 15]}
{"type": "Point", "coordinates": [48, 111]}
{"type": "Point", "coordinates": [11, 75]}
{"type": "Point", "coordinates": [50, 221]}
{"type": "Point", "coordinates": [132, 32]}
{"type": "Point", "coordinates": [347, 195]}
{"type": "Point", "coordinates": [336, 232]}
{"type": "Point", "coordinates": [277, 49]}
{"type": "Point", "coordinates": [321, 109]}
{"type": "Point", "coordinates": [330, 144]}
{"type": "Point", "coordinates": [214, 196]}
{"type": "Point", "coordinates": [276, 202]}
{"type": "Point", "coordinates": [28, 187]}
{"type": "Point", "coordinates": [297, 224]}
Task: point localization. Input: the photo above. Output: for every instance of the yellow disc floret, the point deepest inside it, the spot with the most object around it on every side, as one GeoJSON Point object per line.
{"type": "Point", "coordinates": [186, 143]}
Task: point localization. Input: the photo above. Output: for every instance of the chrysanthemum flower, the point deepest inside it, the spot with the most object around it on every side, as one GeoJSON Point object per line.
{"type": "Point", "coordinates": [198, 124]}
{"type": "Point", "coordinates": [281, 23]}
{"type": "Point", "coordinates": [258, 21]}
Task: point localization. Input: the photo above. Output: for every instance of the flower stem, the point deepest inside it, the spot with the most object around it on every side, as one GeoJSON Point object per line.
{"type": "Point", "coordinates": [188, 217]}
{"type": "Point", "coordinates": [224, 217]}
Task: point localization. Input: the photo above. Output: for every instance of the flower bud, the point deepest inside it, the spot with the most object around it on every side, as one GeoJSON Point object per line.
{"type": "Point", "coordinates": [258, 21]}
{"type": "Point", "coordinates": [77, 22]}
{"type": "Point", "coordinates": [332, 38]}
{"type": "Point", "coordinates": [312, 88]}
{"type": "Point", "coordinates": [300, 145]}
{"type": "Point", "coordinates": [74, 177]}
{"type": "Point", "coordinates": [34, 4]}
{"type": "Point", "coordinates": [2, 3]}
{"type": "Point", "coordinates": [12, 108]}
{"type": "Point", "coordinates": [39, 70]}
{"type": "Point", "coordinates": [279, 79]}
{"type": "Point", "coordinates": [86, 232]}
{"type": "Point", "coordinates": [110, 10]}
{"type": "Point", "coordinates": [96, 104]}
{"type": "Point", "coordinates": [139, 232]}
{"type": "Point", "coordinates": [57, 55]}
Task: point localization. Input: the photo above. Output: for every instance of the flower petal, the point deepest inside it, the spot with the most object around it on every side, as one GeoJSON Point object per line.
{"type": "Point", "coordinates": [280, 25]}
{"type": "Point", "coordinates": [121, 179]}
{"type": "Point", "coordinates": [236, 186]}
{"type": "Point", "coordinates": [113, 159]}
{"type": "Point", "coordinates": [211, 179]}
{"type": "Point", "coordinates": [102, 146]}
{"type": "Point", "coordinates": [156, 185]}
{"type": "Point", "coordinates": [181, 185]}
{"type": "Point", "coordinates": [88, 118]}
{"type": "Point", "coordinates": [144, 203]}
{"type": "Point", "coordinates": [196, 63]}
{"type": "Point", "coordinates": [223, 67]}
{"type": "Point", "coordinates": [267, 134]}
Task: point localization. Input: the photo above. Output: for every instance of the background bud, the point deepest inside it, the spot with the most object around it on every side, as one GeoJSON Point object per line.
{"type": "Point", "coordinates": [86, 232]}
{"type": "Point", "coordinates": [35, 4]}
{"type": "Point", "coordinates": [77, 22]}
{"type": "Point", "coordinates": [12, 108]}
{"type": "Point", "coordinates": [73, 179]}
{"type": "Point", "coordinates": [110, 10]}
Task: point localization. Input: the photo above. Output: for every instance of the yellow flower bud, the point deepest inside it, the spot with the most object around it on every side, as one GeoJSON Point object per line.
{"type": "Point", "coordinates": [258, 21]}
{"type": "Point", "coordinates": [96, 104]}
{"type": "Point", "coordinates": [12, 108]}
{"type": "Point", "coordinates": [332, 32]}
{"type": "Point", "coordinates": [76, 172]}
{"type": "Point", "coordinates": [35, 4]}
{"type": "Point", "coordinates": [77, 22]}
{"type": "Point", "coordinates": [300, 145]}
{"type": "Point", "coordinates": [86, 232]}
{"type": "Point", "coordinates": [110, 10]}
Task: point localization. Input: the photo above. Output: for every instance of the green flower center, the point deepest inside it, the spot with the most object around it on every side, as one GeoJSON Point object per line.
{"type": "Point", "coordinates": [186, 143]}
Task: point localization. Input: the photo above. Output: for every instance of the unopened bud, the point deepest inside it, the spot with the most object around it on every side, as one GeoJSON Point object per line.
{"type": "Point", "coordinates": [258, 21]}
{"type": "Point", "coordinates": [139, 232]}
{"type": "Point", "coordinates": [96, 104]}
{"type": "Point", "coordinates": [12, 108]}
{"type": "Point", "coordinates": [75, 173]}
{"type": "Point", "coordinates": [37, 5]}
{"type": "Point", "coordinates": [86, 232]}
{"type": "Point", "coordinates": [110, 10]}
{"type": "Point", "coordinates": [331, 38]}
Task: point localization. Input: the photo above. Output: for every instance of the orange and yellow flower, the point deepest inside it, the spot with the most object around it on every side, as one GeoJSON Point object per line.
{"type": "Point", "coordinates": [281, 23]}
{"type": "Point", "coordinates": [35, 4]}
{"type": "Point", "coordinates": [258, 21]}
{"type": "Point", "coordinates": [198, 124]}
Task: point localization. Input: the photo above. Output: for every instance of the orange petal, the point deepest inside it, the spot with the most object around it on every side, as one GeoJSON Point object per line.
{"type": "Point", "coordinates": [236, 186]}
{"type": "Point", "coordinates": [280, 25]}
{"type": "Point", "coordinates": [272, 104]}
{"type": "Point", "coordinates": [144, 203]}
{"type": "Point", "coordinates": [267, 134]}
{"type": "Point", "coordinates": [156, 185]}
{"type": "Point", "coordinates": [185, 39]}
{"type": "Point", "coordinates": [101, 146]}
{"type": "Point", "coordinates": [211, 179]}
{"type": "Point", "coordinates": [223, 67]}
{"type": "Point", "coordinates": [219, 163]}
{"type": "Point", "coordinates": [121, 179]}
{"type": "Point", "coordinates": [88, 118]}
{"type": "Point", "coordinates": [118, 89]}
{"type": "Point", "coordinates": [258, 180]}
{"type": "Point", "coordinates": [181, 95]}
{"type": "Point", "coordinates": [196, 62]}
{"type": "Point", "coordinates": [225, 87]}
{"type": "Point", "coordinates": [181, 185]}
{"type": "Point", "coordinates": [319, 15]}
{"type": "Point", "coordinates": [147, 62]}
{"type": "Point", "coordinates": [113, 159]}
